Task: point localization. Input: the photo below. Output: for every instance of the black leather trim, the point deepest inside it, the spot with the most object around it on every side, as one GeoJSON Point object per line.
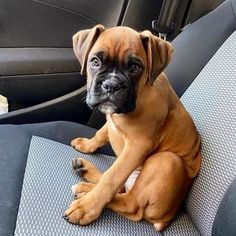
{"type": "Point", "coordinates": [225, 220]}
{"type": "Point", "coordinates": [197, 44]}
{"type": "Point", "coordinates": [14, 145]}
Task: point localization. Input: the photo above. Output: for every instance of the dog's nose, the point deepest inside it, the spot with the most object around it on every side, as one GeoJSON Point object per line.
{"type": "Point", "coordinates": [111, 85]}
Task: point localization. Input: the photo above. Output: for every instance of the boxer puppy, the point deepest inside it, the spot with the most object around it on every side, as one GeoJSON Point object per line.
{"type": "Point", "coordinates": [153, 136]}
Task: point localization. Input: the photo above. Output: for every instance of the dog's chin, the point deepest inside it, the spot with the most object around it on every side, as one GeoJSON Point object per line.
{"type": "Point", "coordinates": [107, 108]}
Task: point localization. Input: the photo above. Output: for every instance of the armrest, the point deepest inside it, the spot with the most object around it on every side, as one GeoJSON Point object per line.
{"type": "Point", "coordinates": [70, 107]}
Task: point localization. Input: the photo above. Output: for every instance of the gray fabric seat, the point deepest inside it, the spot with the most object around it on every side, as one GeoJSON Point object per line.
{"type": "Point", "coordinates": [210, 99]}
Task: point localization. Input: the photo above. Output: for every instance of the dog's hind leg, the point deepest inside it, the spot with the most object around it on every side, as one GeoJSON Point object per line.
{"type": "Point", "coordinates": [125, 204]}
{"type": "Point", "coordinates": [157, 192]}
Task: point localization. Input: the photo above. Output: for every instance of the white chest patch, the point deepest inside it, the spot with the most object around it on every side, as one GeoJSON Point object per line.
{"type": "Point", "coordinates": [111, 123]}
{"type": "Point", "coordinates": [130, 181]}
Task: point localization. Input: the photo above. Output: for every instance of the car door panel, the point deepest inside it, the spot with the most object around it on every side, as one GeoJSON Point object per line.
{"type": "Point", "coordinates": [29, 23]}
{"type": "Point", "coordinates": [37, 63]}
{"type": "Point", "coordinates": [30, 76]}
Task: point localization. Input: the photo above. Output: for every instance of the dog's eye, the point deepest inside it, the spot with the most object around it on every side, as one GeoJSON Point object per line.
{"type": "Point", "coordinates": [134, 68]}
{"type": "Point", "coordinates": [95, 62]}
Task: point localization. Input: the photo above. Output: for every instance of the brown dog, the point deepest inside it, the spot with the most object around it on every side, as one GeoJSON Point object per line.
{"type": "Point", "coordinates": [150, 131]}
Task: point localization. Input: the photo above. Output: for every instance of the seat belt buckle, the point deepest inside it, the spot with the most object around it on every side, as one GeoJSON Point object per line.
{"type": "Point", "coordinates": [162, 36]}
{"type": "Point", "coordinates": [161, 29]}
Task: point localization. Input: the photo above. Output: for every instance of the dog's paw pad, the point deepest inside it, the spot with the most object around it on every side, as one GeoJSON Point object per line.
{"type": "Point", "coordinates": [76, 163]}
{"type": "Point", "coordinates": [77, 166]}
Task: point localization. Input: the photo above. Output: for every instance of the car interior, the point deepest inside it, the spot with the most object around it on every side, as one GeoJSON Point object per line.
{"type": "Point", "coordinates": [45, 94]}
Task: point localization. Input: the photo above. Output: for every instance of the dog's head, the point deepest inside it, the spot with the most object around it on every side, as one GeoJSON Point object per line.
{"type": "Point", "coordinates": [118, 63]}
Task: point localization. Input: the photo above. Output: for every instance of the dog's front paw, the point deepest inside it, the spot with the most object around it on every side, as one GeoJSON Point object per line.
{"type": "Point", "coordinates": [84, 145]}
{"type": "Point", "coordinates": [83, 211]}
{"type": "Point", "coordinates": [78, 167]}
{"type": "Point", "coordinates": [86, 169]}
{"type": "Point", "coordinates": [81, 189]}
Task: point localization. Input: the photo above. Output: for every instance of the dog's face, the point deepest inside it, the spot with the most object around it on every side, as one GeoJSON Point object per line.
{"type": "Point", "coordinates": [119, 62]}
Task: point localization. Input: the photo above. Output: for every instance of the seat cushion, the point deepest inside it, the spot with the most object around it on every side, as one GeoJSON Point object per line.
{"type": "Point", "coordinates": [14, 144]}
{"type": "Point", "coordinates": [46, 194]}
{"type": "Point", "coordinates": [182, 225]}
{"type": "Point", "coordinates": [211, 101]}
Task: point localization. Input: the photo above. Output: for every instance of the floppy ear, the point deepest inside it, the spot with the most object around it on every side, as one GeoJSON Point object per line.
{"type": "Point", "coordinates": [83, 41]}
{"type": "Point", "coordinates": [159, 53]}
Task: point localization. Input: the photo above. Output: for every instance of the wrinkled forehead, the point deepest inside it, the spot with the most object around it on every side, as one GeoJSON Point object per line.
{"type": "Point", "coordinates": [120, 43]}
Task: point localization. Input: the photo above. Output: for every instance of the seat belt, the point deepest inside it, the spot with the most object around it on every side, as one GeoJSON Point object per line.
{"type": "Point", "coordinates": [165, 23]}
